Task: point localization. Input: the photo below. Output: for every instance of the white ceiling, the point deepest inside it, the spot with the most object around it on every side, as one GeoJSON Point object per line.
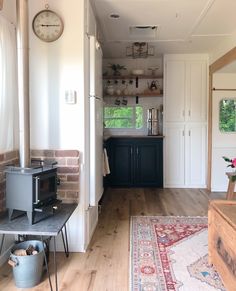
{"type": "Point", "coordinates": [184, 26]}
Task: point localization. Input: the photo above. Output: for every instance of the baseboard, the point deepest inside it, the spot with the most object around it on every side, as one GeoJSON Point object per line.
{"type": "Point", "coordinates": [184, 186]}
{"type": "Point", "coordinates": [73, 248]}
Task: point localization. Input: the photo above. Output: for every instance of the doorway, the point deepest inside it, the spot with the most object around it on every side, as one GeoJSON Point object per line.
{"type": "Point", "coordinates": [223, 133]}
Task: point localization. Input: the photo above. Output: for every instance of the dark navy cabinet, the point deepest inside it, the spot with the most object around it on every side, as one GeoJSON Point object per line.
{"type": "Point", "coordinates": [135, 162]}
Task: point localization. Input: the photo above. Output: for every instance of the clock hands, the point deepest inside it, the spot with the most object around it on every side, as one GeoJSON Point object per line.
{"type": "Point", "coordinates": [47, 25]}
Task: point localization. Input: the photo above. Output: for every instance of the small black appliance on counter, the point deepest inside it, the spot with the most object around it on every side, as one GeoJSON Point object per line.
{"type": "Point", "coordinates": [32, 189]}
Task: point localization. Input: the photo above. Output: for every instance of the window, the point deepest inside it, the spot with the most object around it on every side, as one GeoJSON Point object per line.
{"type": "Point", "coordinates": [123, 117]}
{"type": "Point", "coordinates": [8, 81]}
{"type": "Point", "coordinates": [227, 122]}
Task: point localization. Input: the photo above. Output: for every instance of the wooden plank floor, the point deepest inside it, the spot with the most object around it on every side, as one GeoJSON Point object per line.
{"type": "Point", "coordinates": [105, 266]}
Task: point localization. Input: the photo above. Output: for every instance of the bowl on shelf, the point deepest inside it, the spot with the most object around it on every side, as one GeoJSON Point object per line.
{"type": "Point", "coordinates": [137, 72]}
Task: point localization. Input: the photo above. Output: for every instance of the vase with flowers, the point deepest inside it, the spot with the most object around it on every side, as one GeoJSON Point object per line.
{"type": "Point", "coordinates": [232, 164]}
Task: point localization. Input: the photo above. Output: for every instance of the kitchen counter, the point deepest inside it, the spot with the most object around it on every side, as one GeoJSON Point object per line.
{"type": "Point", "coordinates": [105, 138]}
{"type": "Point", "coordinates": [135, 161]}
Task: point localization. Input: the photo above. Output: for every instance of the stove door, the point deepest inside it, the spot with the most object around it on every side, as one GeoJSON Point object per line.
{"type": "Point", "coordinates": [45, 186]}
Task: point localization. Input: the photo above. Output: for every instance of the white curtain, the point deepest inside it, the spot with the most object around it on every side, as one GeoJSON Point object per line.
{"type": "Point", "coordinates": [8, 86]}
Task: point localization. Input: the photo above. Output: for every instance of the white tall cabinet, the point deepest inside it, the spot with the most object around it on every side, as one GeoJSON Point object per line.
{"type": "Point", "coordinates": [185, 120]}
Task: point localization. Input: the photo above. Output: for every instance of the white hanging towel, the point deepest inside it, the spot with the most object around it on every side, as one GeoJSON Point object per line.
{"type": "Point", "coordinates": [106, 168]}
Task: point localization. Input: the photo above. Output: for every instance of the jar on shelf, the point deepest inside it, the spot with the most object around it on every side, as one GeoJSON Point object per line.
{"type": "Point", "coordinates": [110, 90]}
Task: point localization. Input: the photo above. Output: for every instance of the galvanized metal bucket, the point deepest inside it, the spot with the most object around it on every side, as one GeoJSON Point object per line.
{"type": "Point", "coordinates": [27, 270]}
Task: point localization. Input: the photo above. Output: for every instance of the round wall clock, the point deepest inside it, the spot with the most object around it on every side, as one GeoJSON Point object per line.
{"type": "Point", "coordinates": [47, 25]}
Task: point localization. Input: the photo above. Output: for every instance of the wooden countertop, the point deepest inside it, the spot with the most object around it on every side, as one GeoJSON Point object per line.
{"type": "Point", "coordinates": [132, 136]}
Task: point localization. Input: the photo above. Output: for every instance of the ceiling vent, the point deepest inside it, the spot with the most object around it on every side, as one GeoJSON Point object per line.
{"type": "Point", "coordinates": [143, 31]}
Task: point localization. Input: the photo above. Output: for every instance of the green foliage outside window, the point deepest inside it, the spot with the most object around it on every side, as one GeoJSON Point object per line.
{"type": "Point", "coordinates": [227, 122]}
{"type": "Point", "coordinates": [123, 117]}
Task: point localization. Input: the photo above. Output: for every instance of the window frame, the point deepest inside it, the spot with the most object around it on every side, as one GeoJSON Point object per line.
{"type": "Point", "coordinates": [219, 121]}
{"type": "Point", "coordinates": [132, 118]}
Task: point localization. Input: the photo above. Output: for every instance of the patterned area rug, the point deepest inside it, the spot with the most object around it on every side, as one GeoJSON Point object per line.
{"type": "Point", "coordinates": [170, 253]}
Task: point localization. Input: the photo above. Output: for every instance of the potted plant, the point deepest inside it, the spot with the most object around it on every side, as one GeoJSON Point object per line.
{"type": "Point", "coordinates": [116, 69]}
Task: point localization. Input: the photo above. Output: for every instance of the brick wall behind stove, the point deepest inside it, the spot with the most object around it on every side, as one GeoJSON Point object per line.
{"type": "Point", "coordinates": [68, 171]}
{"type": "Point", "coordinates": [8, 158]}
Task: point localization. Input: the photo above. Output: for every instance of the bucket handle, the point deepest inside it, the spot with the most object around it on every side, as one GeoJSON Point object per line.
{"type": "Point", "coordinates": [13, 263]}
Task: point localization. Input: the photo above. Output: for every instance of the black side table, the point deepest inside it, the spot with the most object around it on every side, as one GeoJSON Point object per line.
{"type": "Point", "coordinates": [45, 225]}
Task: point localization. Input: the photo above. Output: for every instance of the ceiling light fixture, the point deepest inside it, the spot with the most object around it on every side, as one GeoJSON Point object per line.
{"type": "Point", "coordinates": [139, 50]}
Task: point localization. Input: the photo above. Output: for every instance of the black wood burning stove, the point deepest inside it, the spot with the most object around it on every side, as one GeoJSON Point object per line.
{"type": "Point", "coordinates": [31, 189]}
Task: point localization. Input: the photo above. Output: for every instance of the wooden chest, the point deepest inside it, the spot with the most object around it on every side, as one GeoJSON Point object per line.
{"type": "Point", "coordinates": [222, 240]}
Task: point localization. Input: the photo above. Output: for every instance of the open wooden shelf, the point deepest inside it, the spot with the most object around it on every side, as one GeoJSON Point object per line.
{"type": "Point", "coordinates": [135, 95]}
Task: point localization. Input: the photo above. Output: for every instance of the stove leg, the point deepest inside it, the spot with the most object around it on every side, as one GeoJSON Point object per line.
{"type": "Point", "coordinates": [2, 241]}
{"type": "Point", "coordinates": [30, 216]}
{"type": "Point", "coordinates": [10, 212]}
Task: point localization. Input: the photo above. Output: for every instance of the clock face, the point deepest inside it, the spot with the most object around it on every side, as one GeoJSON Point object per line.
{"type": "Point", "coordinates": [47, 25]}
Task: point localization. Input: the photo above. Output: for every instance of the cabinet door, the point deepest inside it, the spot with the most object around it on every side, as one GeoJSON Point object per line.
{"type": "Point", "coordinates": [174, 157]}
{"type": "Point", "coordinates": [196, 91]}
{"type": "Point", "coordinates": [174, 107]}
{"type": "Point", "coordinates": [196, 155]}
{"type": "Point", "coordinates": [121, 163]}
{"type": "Point", "coordinates": [149, 163]}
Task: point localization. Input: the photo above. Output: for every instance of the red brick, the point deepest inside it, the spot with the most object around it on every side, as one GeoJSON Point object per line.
{"type": "Point", "coordinates": [2, 176]}
{"type": "Point", "coordinates": [66, 153]}
{"type": "Point", "coordinates": [2, 186]}
{"type": "Point", "coordinates": [73, 178]}
{"type": "Point", "coordinates": [2, 195]}
{"type": "Point", "coordinates": [1, 157]}
{"type": "Point", "coordinates": [68, 170]}
{"type": "Point", "coordinates": [50, 160]}
{"type": "Point", "coordinates": [42, 153]}
{"type": "Point", "coordinates": [7, 163]}
{"type": "Point", "coordinates": [72, 161]}
{"type": "Point", "coordinates": [61, 161]}
{"type": "Point", "coordinates": [69, 186]}
{"type": "Point", "coordinates": [2, 205]}
{"type": "Point", "coordinates": [72, 194]}
{"type": "Point", "coordinates": [10, 155]}
{"type": "Point", "coordinates": [61, 194]}
{"type": "Point", "coordinates": [63, 177]}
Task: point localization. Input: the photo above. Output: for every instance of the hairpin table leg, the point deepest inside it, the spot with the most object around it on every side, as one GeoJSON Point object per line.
{"type": "Point", "coordinates": [65, 242]}
{"type": "Point", "coordinates": [46, 264]}
{"type": "Point", "coordinates": [55, 262]}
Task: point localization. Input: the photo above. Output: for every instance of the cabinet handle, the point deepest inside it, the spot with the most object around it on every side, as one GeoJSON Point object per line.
{"type": "Point", "coordinates": [183, 133]}
{"type": "Point", "coordinates": [189, 132]}
{"type": "Point", "coordinates": [137, 151]}
{"type": "Point", "coordinates": [37, 181]}
{"type": "Point", "coordinates": [131, 151]}
{"type": "Point", "coordinates": [189, 113]}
